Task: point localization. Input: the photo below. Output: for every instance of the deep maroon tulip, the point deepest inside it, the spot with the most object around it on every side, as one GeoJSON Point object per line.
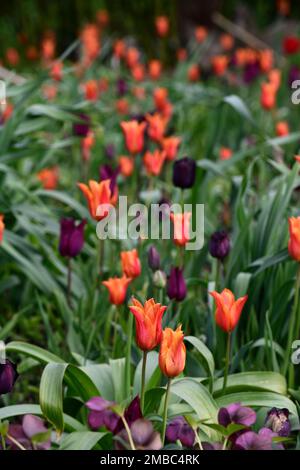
{"type": "Point", "coordinates": [278, 421]}
{"type": "Point", "coordinates": [107, 172]}
{"type": "Point", "coordinates": [184, 173]}
{"type": "Point", "coordinates": [71, 237]}
{"type": "Point", "coordinates": [219, 245]}
{"type": "Point", "coordinates": [82, 127]}
{"type": "Point", "coordinates": [122, 87]}
{"type": "Point", "coordinates": [257, 441]}
{"type": "Point", "coordinates": [176, 286]}
{"type": "Point", "coordinates": [153, 258]}
{"type": "Point", "coordinates": [179, 429]}
{"type": "Point", "coordinates": [8, 376]}
{"type": "Point", "coordinates": [237, 414]}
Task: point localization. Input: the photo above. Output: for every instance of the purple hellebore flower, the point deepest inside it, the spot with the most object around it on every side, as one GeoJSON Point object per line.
{"type": "Point", "coordinates": [219, 245]}
{"type": "Point", "coordinates": [143, 436]}
{"type": "Point", "coordinates": [176, 286]}
{"type": "Point", "coordinates": [82, 127]}
{"type": "Point", "coordinates": [237, 414]}
{"type": "Point", "coordinates": [24, 433]}
{"type": "Point", "coordinates": [257, 441]}
{"type": "Point", "coordinates": [71, 237]}
{"type": "Point", "coordinates": [184, 173]}
{"type": "Point", "coordinates": [153, 258]}
{"type": "Point", "coordinates": [278, 421]}
{"type": "Point", "coordinates": [179, 428]}
{"type": "Point", "coordinates": [106, 172]}
{"type": "Point", "coordinates": [122, 87]}
{"type": "Point", "coordinates": [8, 376]}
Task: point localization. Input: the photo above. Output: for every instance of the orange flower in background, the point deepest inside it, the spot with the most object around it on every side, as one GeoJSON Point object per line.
{"type": "Point", "coordinates": [181, 54]}
{"type": "Point", "coordinates": [297, 158]}
{"type": "Point", "coordinates": [12, 56]}
{"type": "Point", "coordinates": [134, 135]}
{"type": "Point", "coordinates": [157, 126]}
{"type": "Point", "coordinates": [226, 41]}
{"type": "Point", "coordinates": [117, 288]}
{"type": "Point", "coordinates": [241, 56]}
{"type": "Point", "coordinates": [32, 53]}
{"type": "Point", "coordinates": [91, 90]}
{"type": "Point", "coordinates": [162, 25]}
{"type": "Point", "coordinates": [193, 73]}
{"type": "Point", "coordinates": [172, 353]}
{"type": "Point", "coordinates": [160, 96]}
{"type": "Point", "coordinates": [228, 310]}
{"type": "Point", "coordinates": [294, 240]}
{"type": "Point", "coordinates": [90, 43]}
{"type": "Point", "coordinates": [131, 264]}
{"type": "Point", "coordinates": [148, 323]}
{"type": "Point", "coordinates": [181, 223]}
{"type": "Point", "coordinates": [48, 46]}
{"type": "Point", "coordinates": [200, 34]}
{"type": "Point", "coordinates": [268, 96]}
{"type": "Point", "coordinates": [225, 153]}
{"type": "Point", "coordinates": [122, 106]}
{"type": "Point", "coordinates": [119, 48]}
{"type": "Point", "coordinates": [97, 194]}
{"type": "Point", "coordinates": [87, 143]}
{"type": "Point", "coordinates": [282, 129]}
{"type": "Point", "coordinates": [7, 112]}
{"type": "Point", "coordinates": [167, 111]}
{"type": "Point", "coordinates": [170, 146]}
{"type": "Point", "coordinates": [219, 64]}
{"type": "Point", "coordinates": [50, 91]}
{"type": "Point", "coordinates": [155, 68]}
{"type": "Point", "coordinates": [274, 77]}
{"type": "Point", "coordinates": [132, 56]}
{"type": "Point", "coordinates": [126, 165]}
{"type": "Point", "coordinates": [2, 227]}
{"type": "Point", "coordinates": [56, 71]}
{"type": "Point", "coordinates": [139, 92]}
{"type": "Point", "coordinates": [266, 60]}
{"type": "Point", "coordinates": [138, 72]}
{"type": "Point", "coordinates": [102, 17]}
{"type": "Point", "coordinates": [48, 177]}
{"type": "Point", "coordinates": [284, 7]}
{"type": "Point", "coordinates": [154, 161]}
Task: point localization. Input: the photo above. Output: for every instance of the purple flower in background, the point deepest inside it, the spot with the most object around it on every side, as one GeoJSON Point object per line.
{"type": "Point", "coordinates": [122, 87]}
{"type": "Point", "coordinates": [219, 245]}
{"type": "Point", "coordinates": [251, 72]}
{"type": "Point", "coordinates": [257, 441]}
{"type": "Point", "coordinates": [237, 414]}
{"type": "Point", "coordinates": [110, 151]}
{"type": "Point", "coordinates": [143, 436]}
{"type": "Point", "coordinates": [25, 433]}
{"type": "Point", "coordinates": [176, 286]}
{"type": "Point", "coordinates": [82, 127]}
{"type": "Point", "coordinates": [179, 429]}
{"type": "Point", "coordinates": [107, 172]}
{"type": "Point", "coordinates": [8, 376]}
{"type": "Point", "coordinates": [278, 421]}
{"type": "Point", "coordinates": [153, 258]}
{"type": "Point", "coordinates": [184, 173]}
{"type": "Point", "coordinates": [294, 74]}
{"type": "Point", "coordinates": [71, 237]}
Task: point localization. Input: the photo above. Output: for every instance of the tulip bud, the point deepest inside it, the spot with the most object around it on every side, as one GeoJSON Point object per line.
{"type": "Point", "coordinates": [159, 279]}
{"type": "Point", "coordinates": [278, 421]}
{"type": "Point", "coordinates": [219, 245]}
{"type": "Point", "coordinates": [82, 127]}
{"type": "Point", "coordinates": [122, 87]}
{"type": "Point", "coordinates": [294, 241]}
{"type": "Point", "coordinates": [8, 376]}
{"type": "Point", "coordinates": [172, 353]}
{"type": "Point", "coordinates": [71, 237]}
{"type": "Point", "coordinates": [184, 173]}
{"type": "Point", "coordinates": [176, 286]}
{"type": "Point", "coordinates": [153, 258]}
{"type": "Point", "coordinates": [228, 309]}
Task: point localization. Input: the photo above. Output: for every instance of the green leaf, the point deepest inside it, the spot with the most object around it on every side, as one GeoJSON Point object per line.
{"type": "Point", "coordinates": [118, 378]}
{"type": "Point", "coordinates": [205, 353]}
{"type": "Point", "coordinates": [84, 440]}
{"type": "Point", "coordinates": [253, 381]}
{"type": "Point", "coordinates": [33, 351]}
{"type": "Point", "coordinates": [240, 107]}
{"type": "Point", "coordinates": [51, 394]}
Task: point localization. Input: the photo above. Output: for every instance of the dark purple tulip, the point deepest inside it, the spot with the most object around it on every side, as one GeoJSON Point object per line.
{"type": "Point", "coordinates": [278, 421]}
{"type": "Point", "coordinates": [82, 127]}
{"type": "Point", "coordinates": [143, 436]}
{"type": "Point", "coordinates": [153, 258]}
{"type": "Point", "coordinates": [252, 441]}
{"type": "Point", "coordinates": [179, 429]}
{"type": "Point", "coordinates": [24, 433]}
{"type": "Point", "coordinates": [122, 87]}
{"type": "Point", "coordinates": [237, 414]}
{"type": "Point", "coordinates": [107, 172]}
{"type": "Point", "coordinates": [251, 72]}
{"type": "Point", "coordinates": [71, 237]}
{"type": "Point", "coordinates": [219, 245]}
{"type": "Point", "coordinates": [176, 286]}
{"type": "Point", "coordinates": [110, 151]}
{"type": "Point", "coordinates": [184, 173]}
{"type": "Point", "coordinates": [294, 74]}
{"type": "Point", "coordinates": [8, 376]}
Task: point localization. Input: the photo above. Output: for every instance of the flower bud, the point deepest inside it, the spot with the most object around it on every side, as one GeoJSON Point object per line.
{"type": "Point", "coordinates": [219, 245]}
{"type": "Point", "coordinates": [71, 237]}
{"type": "Point", "coordinates": [8, 376]}
{"type": "Point", "coordinates": [153, 258]}
{"type": "Point", "coordinates": [176, 286]}
{"type": "Point", "coordinates": [159, 279]}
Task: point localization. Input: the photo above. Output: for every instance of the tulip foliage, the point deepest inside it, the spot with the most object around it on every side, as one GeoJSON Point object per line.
{"type": "Point", "coordinates": [139, 342]}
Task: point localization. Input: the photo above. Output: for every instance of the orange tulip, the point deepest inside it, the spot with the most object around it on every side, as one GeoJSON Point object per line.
{"type": "Point", "coordinates": [117, 288]}
{"type": "Point", "coordinates": [225, 153]}
{"type": "Point", "coordinates": [181, 54]}
{"type": "Point", "coordinates": [91, 90]}
{"type": "Point", "coordinates": [226, 41]}
{"type": "Point", "coordinates": [266, 60]}
{"type": "Point", "coordinates": [138, 72]}
{"type": "Point", "coordinates": [157, 126]}
{"type": "Point", "coordinates": [131, 264]}
{"type": "Point", "coordinates": [268, 96]}
{"type": "Point", "coordinates": [170, 146]}
{"type": "Point", "coordinates": [160, 96]}
{"type": "Point", "coordinates": [193, 73]}
{"type": "Point", "coordinates": [96, 195]}
{"type": "Point", "coordinates": [274, 77]}
{"type": "Point", "coordinates": [200, 34]}
{"type": "Point", "coordinates": [119, 48]}
{"type": "Point", "coordinates": [2, 227]}
{"type": "Point", "coordinates": [228, 310]}
{"type": "Point", "coordinates": [148, 323]}
{"type": "Point", "coordinates": [102, 17]}
{"type": "Point", "coordinates": [154, 161]}
{"type": "Point", "coordinates": [126, 165]}
{"type": "Point", "coordinates": [132, 56]}
{"type": "Point", "coordinates": [162, 25]}
{"type": "Point", "coordinates": [12, 56]}
{"type": "Point", "coordinates": [294, 241]}
{"type": "Point", "coordinates": [282, 129]}
{"type": "Point", "coordinates": [297, 158]}
{"type": "Point", "coordinates": [219, 64]}
{"type": "Point", "coordinates": [172, 354]}
{"type": "Point", "coordinates": [48, 177]}
{"type": "Point", "coordinates": [122, 106]}
{"type": "Point", "coordinates": [56, 71]}
{"type": "Point", "coordinates": [154, 69]}
{"type": "Point", "coordinates": [87, 143]}
{"type": "Point", "coordinates": [134, 135]}
{"type": "Point", "coordinates": [181, 224]}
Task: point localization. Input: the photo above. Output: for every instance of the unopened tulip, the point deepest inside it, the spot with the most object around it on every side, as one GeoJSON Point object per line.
{"type": "Point", "coordinates": [219, 64]}
{"type": "Point", "coordinates": [8, 376]}
{"type": "Point", "coordinates": [91, 90]}
{"type": "Point", "coordinates": [170, 146]}
{"type": "Point", "coordinates": [181, 223]}
{"type": "Point", "coordinates": [86, 144]}
{"type": "Point", "coordinates": [184, 173]}
{"type": "Point", "coordinates": [132, 56]}
{"type": "Point", "coordinates": [96, 195]}
{"type": "Point", "coordinates": [131, 264]}
{"type": "Point", "coordinates": [154, 69]}
{"type": "Point", "coordinates": [225, 153]}
{"type": "Point", "coordinates": [200, 34]}
{"type": "Point", "coordinates": [160, 98]}
{"type": "Point", "coordinates": [172, 354]}
{"type": "Point", "coordinates": [193, 73]}
{"type": "Point", "coordinates": [219, 245]}
{"type": "Point", "coordinates": [126, 165]}
{"type": "Point", "coordinates": [56, 71]}
{"type": "Point", "coordinates": [282, 129]}
{"type": "Point", "coordinates": [156, 126]}
{"type": "Point", "coordinates": [2, 227]}
{"type": "Point", "coordinates": [176, 286]}
{"type": "Point", "coordinates": [228, 309]}
{"type": "Point", "coordinates": [117, 287]}
{"type": "Point", "coordinates": [294, 241]}
{"type": "Point", "coordinates": [162, 25]}
{"type": "Point", "coordinates": [268, 96]}
{"type": "Point", "coordinates": [153, 258]}
{"type": "Point", "coordinates": [134, 135]}
{"type": "Point", "coordinates": [154, 161]}
{"type": "Point", "coordinates": [49, 177]}
{"type": "Point", "coordinates": [148, 319]}
{"type": "Point", "coordinates": [71, 237]}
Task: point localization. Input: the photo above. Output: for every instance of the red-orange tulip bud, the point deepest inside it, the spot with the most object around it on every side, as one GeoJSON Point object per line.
{"type": "Point", "coordinates": [131, 264]}
{"type": "Point", "coordinates": [294, 241]}
{"type": "Point", "coordinates": [228, 310]}
{"type": "Point", "coordinates": [117, 287]}
{"type": "Point", "coordinates": [172, 352]}
{"type": "Point", "coordinates": [148, 323]}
